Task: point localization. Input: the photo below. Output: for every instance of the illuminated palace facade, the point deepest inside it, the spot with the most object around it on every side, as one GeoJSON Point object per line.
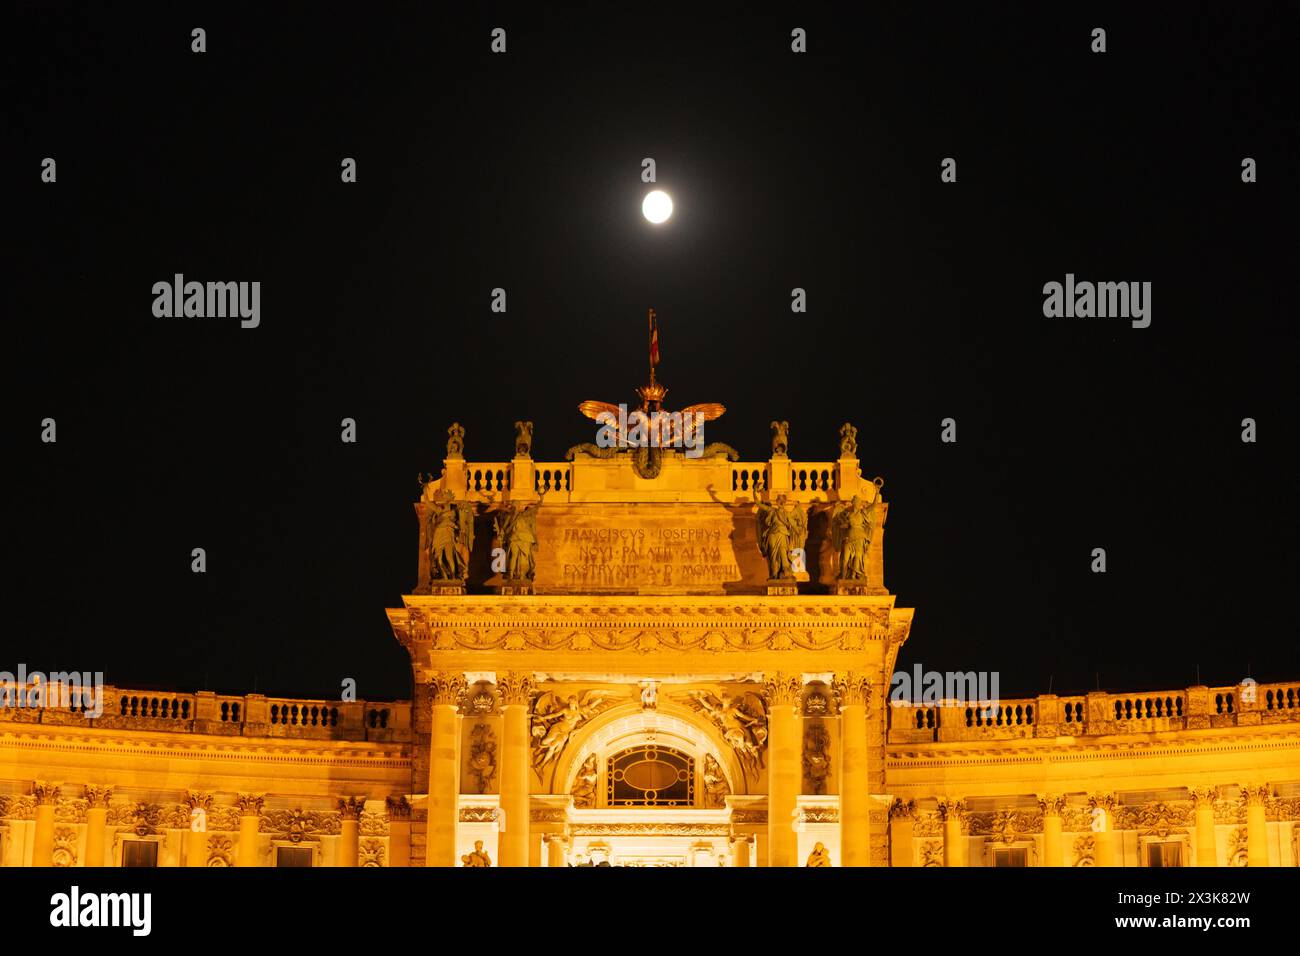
{"type": "Point", "coordinates": [653, 657]}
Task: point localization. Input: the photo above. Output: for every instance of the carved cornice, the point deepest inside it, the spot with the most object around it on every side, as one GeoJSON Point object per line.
{"type": "Point", "coordinates": [515, 688]}
{"type": "Point", "coordinates": [399, 808]}
{"type": "Point", "coordinates": [782, 689]}
{"type": "Point", "coordinates": [477, 814]}
{"type": "Point", "coordinates": [743, 815]}
{"type": "Point", "coordinates": [250, 804]}
{"type": "Point", "coordinates": [852, 688]}
{"type": "Point", "coordinates": [446, 687]}
{"type": "Point", "coordinates": [902, 809]}
{"type": "Point", "coordinates": [350, 807]}
{"type": "Point", "coordinates": [97, 796]}
{"type": "Point", "coordinates": [549, 815]}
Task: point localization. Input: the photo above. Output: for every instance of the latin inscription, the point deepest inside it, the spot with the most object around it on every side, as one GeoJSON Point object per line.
{"type": "Point", "coordinates": [619, 557]}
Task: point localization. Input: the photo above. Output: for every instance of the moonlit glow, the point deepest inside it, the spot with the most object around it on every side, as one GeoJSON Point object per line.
{"type": "Point", "coordinates": [657, 206]}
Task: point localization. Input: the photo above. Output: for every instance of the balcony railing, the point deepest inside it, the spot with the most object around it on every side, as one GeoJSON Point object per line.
{"type": "Point", "coordinates": [252, 715]}
{"type": "Point", "coordinates": [1096, 714]}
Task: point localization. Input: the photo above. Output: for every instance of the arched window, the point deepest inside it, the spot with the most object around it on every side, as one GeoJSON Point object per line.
{"type": "Point", "coordinates": [650, 775]}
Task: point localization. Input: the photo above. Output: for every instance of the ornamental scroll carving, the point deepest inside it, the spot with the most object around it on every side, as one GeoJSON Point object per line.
{"type": "Point", "coordinates": [652, 640]}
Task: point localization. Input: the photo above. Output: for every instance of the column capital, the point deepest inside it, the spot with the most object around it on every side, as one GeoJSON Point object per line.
{"type": "Point", "coordinates": [1256, 794]}
{"type": "Point", "coordinates": [97, 796]}
{"type": "Point", "coordinates": [515, 688]}
{"type": "Point", "coordinates": [250, 804]}
{"type": "Point", "coordinates": [197, 800]}
{"type": "Point", "coordinates": [1052, 804]}
{"type": "Point", "coordinates": [1203, 796]}
{"type": "Point", "coordinates": [952, 809]}
{"type": "Point", "coordinates": [350, 807]}
{"type": "Point", "coordinates": [45, 793]}
{"type": "Point", "coordinates": [783, 689]}
{"type": "Point", "coordinates": [1103, 801]}
{"type": "Point", "coordinates": [446, 687]}
{"type": "Point", "coordinates": [902, 809]}
{"type": "Point", "coordinates": [399, 808]}
{"type": "Point", "coordinates": [852, 688]}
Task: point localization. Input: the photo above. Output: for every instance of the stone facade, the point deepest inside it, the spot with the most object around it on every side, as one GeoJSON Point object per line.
{"type": "Point", "coordinates": [649, 697]}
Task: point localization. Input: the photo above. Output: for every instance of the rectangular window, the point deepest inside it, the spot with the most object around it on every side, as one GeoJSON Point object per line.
{"type": "Point", "coordinates": [293, 856]}
{"type": "Point", "coordinates": [1011, 856]}
{"type": "Point", "coordinates": [139, 853]}
{"type": "Point", "coordinates": [1164, 854]}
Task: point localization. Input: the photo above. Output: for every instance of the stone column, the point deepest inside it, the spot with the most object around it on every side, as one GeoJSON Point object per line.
{"type": "Point", "coordinates": [555, 849]}
{"type": "Point", "coordinates": [902, 822]}
{"type": "Point", "coordinates": [196, 841]}
{"type": "Point", "coordinates": [784, 768]}
{"type": "Point", "coordinates": [445, 690]}
{"type": "Point", "coordinates": [349, 831]}
{"type": "Point", "coordinates": [1052, 805]}
{"type": "Point", "coordinates": [250, 816]}
{"type": "Point", "coordinates": [45, 795]}
{"type": "Point", "coordinates": [953, 814]}
{"type": "Point", "coordinates": [96, 822]}
{"type": "Point", "coordinates": [399, 831]}
{"type": "Point", "coordinates": [740, 850]}
{"type": "Point", "coordinates": [1103, 828]}
{"type": "Point", "coordinates": [1256, 824]}
{"type": "Point", "coordinates": [515, 768]}
{"type": "Point", "coordinates": [855, 784]}
{"type": "Point", "coordinates": [1203, 800]}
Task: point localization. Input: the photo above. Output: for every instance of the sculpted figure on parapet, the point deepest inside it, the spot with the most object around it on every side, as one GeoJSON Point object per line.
{"type": "Point", "coordinates": [782, 527]}
{"type": "Point", "coordinates": [449, 537]}
{"type": "Point", "coordinates": [516, 530]}
{"type": "Point", "coordinates": [853, 525]}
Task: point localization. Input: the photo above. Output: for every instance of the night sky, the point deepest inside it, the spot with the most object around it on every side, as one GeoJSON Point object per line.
{"type": "Point", "coordinates": [523, 171]}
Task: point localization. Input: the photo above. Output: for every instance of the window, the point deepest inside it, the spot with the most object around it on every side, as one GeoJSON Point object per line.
{"type": "Point", "coordinates": [293, 856]}
{"type": "Point", "coordinates": [651, 776]}
{"type": "Point", "coordinates": [1011, 856]}
{"type": "Point", "coordinates": [139, 853]}
{"type": "Point", "coordinates": [1164, 854]}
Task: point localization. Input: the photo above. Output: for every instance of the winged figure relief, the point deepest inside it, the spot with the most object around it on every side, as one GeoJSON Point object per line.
{"type": "Point", "coordinates": [742, 719]}
{"type": "Point", "coordinates": [555, 718]}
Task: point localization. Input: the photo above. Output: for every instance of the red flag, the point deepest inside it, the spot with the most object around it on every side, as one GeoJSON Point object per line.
{"type": "Point", "coordinates": [654, 340]}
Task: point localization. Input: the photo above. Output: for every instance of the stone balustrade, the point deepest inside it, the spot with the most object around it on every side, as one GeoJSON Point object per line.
{"type": "Point", "coordinates": [206, 712]}
{"type": "Point", "coordinates": [713, 478]}
{"type": "Point", "coordinates": [1096, 714]}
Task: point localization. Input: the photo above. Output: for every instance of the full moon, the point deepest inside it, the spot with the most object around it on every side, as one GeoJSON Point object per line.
{"type": "Point", "coordinates": [658, 206]}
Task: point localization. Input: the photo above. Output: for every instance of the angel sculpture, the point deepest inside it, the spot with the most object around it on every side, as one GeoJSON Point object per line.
{"type": "Point", "coordinates": [449, 537]}
{"type": "Point", "coordinates": [555, 719]}
{"type": "Point", "coordinates": [782, 528]}
{"type": "Point", "coordinates": [742, 719]}
{"type": "Point", "coordinates": [852, 525]}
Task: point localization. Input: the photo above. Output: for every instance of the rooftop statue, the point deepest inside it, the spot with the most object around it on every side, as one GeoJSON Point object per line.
{"type": "Point", "coordinates": [782, 527]}
{"type": "Point", "coordinates": [853, 524]}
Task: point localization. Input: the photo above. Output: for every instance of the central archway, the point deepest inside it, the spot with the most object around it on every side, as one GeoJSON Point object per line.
{"type": "Point", "coordinates": [672, 727]}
